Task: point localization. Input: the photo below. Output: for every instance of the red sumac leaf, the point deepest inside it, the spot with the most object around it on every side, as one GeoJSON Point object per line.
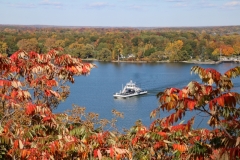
{"type": "Point", "coordinates": [30, 109]}
{"type": "Point", "coordinates": [24, 153]}
{"type": "Point", "coordinates": [5, 83]}
{"type": "Point", "coordinates": [211, 103]}
{"type": "Point", "coordinates": [51, 83]}
{"type": "Point", "coordinates": [134, 140]}
{"type": "Point", "coordinates": [47, 93]}
{"type": "Point", "coordinates": [220, 101]}
{"type": "Point", "coordinates": [16, 144]}
{"type": "Point", "coordinates": [178, 127]}
{"type": "Point", "coordinates": [111, 152]}
{"type": "Point", "coordinates": [208, 89]}
{"type": "Point", "coordinates": [95, 153]}
{"type": "Point", "coordinates": [158, 145]}
{"type": "Point", "coordinates": [163, 134]}
{"type": "Point", "coordinates": [189, 103]}
{"type": "Point", "coordinates": [46, 119]}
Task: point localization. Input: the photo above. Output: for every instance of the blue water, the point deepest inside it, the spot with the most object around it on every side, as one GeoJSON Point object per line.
{"type": "Point", "coordinates": [95, 91]}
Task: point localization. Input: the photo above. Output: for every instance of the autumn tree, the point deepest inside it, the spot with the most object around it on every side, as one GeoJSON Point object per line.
{"type": "Point", "coordinates": [28, 45]}
{"type": "Point", "coordinates": [31, 86]}
{"type": "Point", "coordinates": [60, 43]}
{"type": "Point", "coordinates": [225, 50]}
{"type": "Point", "coordinates": [236, 48]}
{"type": "Point", "coordinates": [212, 98]}
{"type": "Point", "coordinates": [173, 48]}
{"type": "Point", "coordinates": [3, 47]}
{"type": "Point", "coordinates": [50, 43]}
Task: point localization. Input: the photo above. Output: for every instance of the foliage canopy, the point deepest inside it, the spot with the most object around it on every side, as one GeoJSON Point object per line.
{"type": "Point", "coordinates": [32, 85]}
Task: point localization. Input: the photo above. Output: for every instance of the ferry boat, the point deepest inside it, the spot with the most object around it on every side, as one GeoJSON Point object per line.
{"type": "Point", "coordinates": [130, 89]}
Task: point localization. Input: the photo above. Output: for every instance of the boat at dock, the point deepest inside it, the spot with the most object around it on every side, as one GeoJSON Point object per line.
{"type": "Point", "coordinates": [130, 90]}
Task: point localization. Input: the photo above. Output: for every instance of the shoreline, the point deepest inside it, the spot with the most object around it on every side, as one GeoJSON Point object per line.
{"type": "Point", "coordinates": [193, 62]}
{"type": "Point", "coordinates": [208, 62]}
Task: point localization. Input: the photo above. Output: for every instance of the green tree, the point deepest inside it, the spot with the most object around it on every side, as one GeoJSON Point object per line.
{"type": "Point", "coordinates": [136, 41]}
{"type": "Point", "coordinates": [183, 56]}
{"type": "Point", "coordinates": [104, 55]}
{"type": "Point", "coordinates": [149, 52]}
{"type": "Point", "coordinates": [75, 49]}
{"type": "Point", "coordinates": [101, 46]}
{"type": "Point", "coordinates": [87, 51]}
{"type": "Point", "coordinates": [157, 56]}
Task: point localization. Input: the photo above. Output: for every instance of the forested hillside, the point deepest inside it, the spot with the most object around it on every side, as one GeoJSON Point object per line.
{"type": "Point", "coordinates": [109, 44]}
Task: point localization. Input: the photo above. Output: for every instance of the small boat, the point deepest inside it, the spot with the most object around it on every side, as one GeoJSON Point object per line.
{"type": "Point", "coordinates": [131, 89]}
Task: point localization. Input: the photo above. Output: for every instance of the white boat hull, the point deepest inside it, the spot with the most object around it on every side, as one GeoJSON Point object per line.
{"type": "Point", "coordinates": [120, 95]}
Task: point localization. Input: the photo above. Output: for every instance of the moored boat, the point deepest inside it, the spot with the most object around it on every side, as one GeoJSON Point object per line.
{"type": "Point", "coordinates": [129, 90]}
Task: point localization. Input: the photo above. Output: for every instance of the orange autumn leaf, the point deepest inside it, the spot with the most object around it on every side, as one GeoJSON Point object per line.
{"type": "Point", "coordinates": [30, 109]}
{"type": "Point", "coordinates": [178, 127]}
{"type": "Point", "coordinates": [189, 103]}
{"type": "Point", "coordinates": [95, 153]}
{"type": "Point", "coordinates": [14, 93]}
{"type": "Point", "coordinates": [111, 152]}
{"type": "Point", "coordinates": [179, 147]}
{"type": "Point", "coordinates": [24, 153]}
{"type": "Point", "coordinates": [220, 101]}
{"type": "Point", "coordinates": [51, 83]}
{"type": "Point", "coordinates": [163, 134]}
{"type": "Point", "coordinates": [15, 144]}
{"type": "Point", "coordinates": [47, 93]}
{"type": "Point", "coordinates": [5, 83]}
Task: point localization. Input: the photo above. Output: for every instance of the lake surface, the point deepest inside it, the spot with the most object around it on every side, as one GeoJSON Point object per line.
{"type": "Point", "coordinates": [95, 91]}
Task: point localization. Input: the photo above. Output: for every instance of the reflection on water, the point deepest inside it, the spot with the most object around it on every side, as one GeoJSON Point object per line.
{"type": "Point", "coordinates": [95, 92]}
{"type": "Point", "coordinates": [131, 101]}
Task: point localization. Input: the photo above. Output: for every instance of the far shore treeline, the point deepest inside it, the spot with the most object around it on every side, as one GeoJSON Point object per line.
{"type": "Point", "coordinates": [122, 43]}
